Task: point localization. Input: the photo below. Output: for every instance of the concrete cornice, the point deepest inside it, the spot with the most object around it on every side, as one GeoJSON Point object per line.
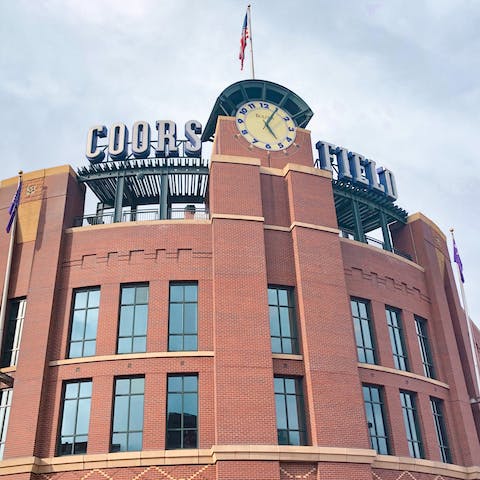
{"type": "Point", "coordinates": [380, 368]}
{"type": "Point", "coordinates": [382, 252]}
{"type": "Point", "coordinates": [210, 456]}
{"type": "Point", "coordinates": [129, 356]}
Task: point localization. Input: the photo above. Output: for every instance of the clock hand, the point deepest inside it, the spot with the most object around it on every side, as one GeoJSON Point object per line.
{"type": "Point", "coordinates": [269, 119]}
{"type": "Point", "coordinates": [269, 129]}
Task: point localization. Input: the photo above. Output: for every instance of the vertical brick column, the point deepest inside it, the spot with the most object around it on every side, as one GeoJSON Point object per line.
{"type": "Point", "coordinates": [243, 369]}
{"type": "Point", "coordinates": [332, 382]}
{"type": "Point", "coordinates": [428, 245]}
{"type": "Point", "coordinates": [60, 195]}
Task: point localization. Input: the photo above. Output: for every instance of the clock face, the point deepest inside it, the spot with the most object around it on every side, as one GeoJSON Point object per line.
{"type": "Point", "coordinates": [265, 125]}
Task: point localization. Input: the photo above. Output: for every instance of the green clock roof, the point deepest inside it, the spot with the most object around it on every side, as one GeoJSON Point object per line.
{"type": "Point", "coordinates": [241, 92]}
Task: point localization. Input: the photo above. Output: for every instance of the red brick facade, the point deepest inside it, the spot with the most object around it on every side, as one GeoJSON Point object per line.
{"type": "Point", "coordinates": [272, 222]}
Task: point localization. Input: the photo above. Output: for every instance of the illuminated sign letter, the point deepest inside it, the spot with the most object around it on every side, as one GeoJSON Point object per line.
{"type": "Point", "coordinates": [167, 139]}
{"type": "Point", "coordinates": [343, 164]}
{"type": "Point", "coordinates": [93, 153]}
{"type": "Point", "coordinates": [356, 162]}
{"type": "Point", "coordinates": [193, 145]}
{"type": "Point", "coordinates": [118, 138]}
{"type": "Point", "coordinates": [371, 172]}
{"type": "Point", "coordinates": [326, 153]}
{"type": "Point", "coordinates": [388, 181]}
{"type": "Point", "coordinates": [141, 139]}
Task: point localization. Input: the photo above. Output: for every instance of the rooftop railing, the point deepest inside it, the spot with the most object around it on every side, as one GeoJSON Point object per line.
{"type": "Point", "coordinates": [105, 218]}
{"type": "Point", "coordinates": [375, 242]}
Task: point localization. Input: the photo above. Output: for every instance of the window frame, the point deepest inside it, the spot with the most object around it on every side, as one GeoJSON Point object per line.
{"type": "Point", "coordinates": [182, 429]}
{"type": "Point", "coordinates": [59, 452]}
{"type": "Point", "coordinates": [300, 413]}
{"type": "Point", "coordinates": [76, 291]}
{"type": "Point", "coordinates": [5, 406]}
{"type": "Point", "coordinates": [361, 324]}
{"type": "Point", "coordinates": [436, 404]}
{"type": "Point", "coordinates": [128, 432]}
{"type": "Point", "coordinates": [12, 335]}
{"type": "Point", "coordinates": [424, 346]}
{"type": "Point", "coordinates": [411, 423]}
{"type": "Point", "coordinates": [397, 338]}
{"type": "Point", "coordinates": [182, 332]}
{"type": "Point", "coordinates": [374, 437]}
{"type": "Point", "coordinates": [292, 338]}
{"type": "Point", "coordinates": [132, 336]}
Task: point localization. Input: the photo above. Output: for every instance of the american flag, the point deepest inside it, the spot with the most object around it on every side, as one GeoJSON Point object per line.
{"type": "Point", "coordinates": [243, 40]}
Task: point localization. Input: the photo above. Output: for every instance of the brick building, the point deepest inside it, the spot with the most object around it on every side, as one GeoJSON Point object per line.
{"type": "Point", "coordinates": [248, 341]}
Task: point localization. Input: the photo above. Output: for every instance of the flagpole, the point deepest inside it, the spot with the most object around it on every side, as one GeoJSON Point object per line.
{"type": "Point", "coordinates": [251, 42]}
{"type": "Point", "coordinates": [469, 329]}
{"type": "Point", "coordinates": [6, 282]}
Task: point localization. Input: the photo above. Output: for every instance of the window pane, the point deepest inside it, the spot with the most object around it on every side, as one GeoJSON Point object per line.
{"type": "Point", "coordinates": [135, 441]}
{"type": "Point", "coordinates": [191, 293]}
{"type": "Point", "coordinates": [124, 345]}
{"type": "Point", "coordinates": [93, 298]}
{"type": "Point", "coordinates": [183, 322]}
{"type": "Point", "coordinates": [289, 411]}
{"type": "Point", "coordinates": [141, 295]}
{"type": "Point", "coordinates": [91, 327]}
{"type": "Point", "coordinates": [363, 330]}
{"type": "Point", "coordinates": [374, 411]}
{"type": "Point", "coordinates": [89, 348]}
{"type": "Point", "coordinates": [128, 295]}
{"type": "Point", "coordinates": [126, 321]}
{"type": "Point", "coordinates": [120, 415]}
{"type": "Point", "coordinates": [176, 318]}
{"type": "Point", "coordinates": [190, 342]}
{"type": "Point", "coordinates": [139, 344]}
{"type": "Point", "coordinates": [69, 417]}
{"type": "Point", "coordinates": [136, 412]}
{"type": "Point", "coordinates": [282, 320]}
{"type": "Point", "coordinates": [182, 408]}
{"type": "Point", "coordinates": [78, 325]}
{"type": "Point", "coordinates": [81, 300]}
{"type": "Point", "coordinates": [119, 442]}
{"type": "Point", "coordinates": [175, 343]}
{"type": "Point", "coordinates": [176, 293]}
{"type": "Point", "coordinates": [75, 418]}
{"type": "Point", "coordinates": [190, 439]}
{"type": "Point", "coordinates": [141, 314]}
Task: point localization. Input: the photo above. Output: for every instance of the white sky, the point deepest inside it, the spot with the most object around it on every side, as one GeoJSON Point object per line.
{"type": "Point", "coordinates": [396, 81]}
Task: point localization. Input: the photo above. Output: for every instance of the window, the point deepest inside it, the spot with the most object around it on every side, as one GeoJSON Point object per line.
{"type": "Point", "coordinates": [5, 404]}
{"type": "Point", "coordinates": [412, 427]}
{"type": "Point", "coordinates": [423, 343]}
{"type": "Point", "coordinates": [441, 430]}
{"type": "Point", "coordinates": [132, 332]}
{"type": "Point", "coordinates": [290, 411]}
{"type": "Point", "coordinates": [374, 409]}
{"type": "Point", "coordinates": [182, 323]}
{"type": "Point", "coordinates": [363, 330]}
{"type": "Point", "coordinates": [283, 329]}
{"type": "Point", "coordinates": [182, 411]}
{"type": "Point", "coordinates": [83, 336]}
{"type": "Point", "coordinates": [13, 332]}
{"type": "Point", "coordinates": [127, 428]}
{"type": "Point", "coordinates": [75, 417]}
{"type": "Point", "coordinates": [394, 323]}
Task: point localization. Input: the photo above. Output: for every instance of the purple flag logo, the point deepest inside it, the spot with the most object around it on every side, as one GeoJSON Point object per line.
{"type": "Point", "coordinates": [458, 261]}
{"type": "Point", "coordinates": [12, 210]}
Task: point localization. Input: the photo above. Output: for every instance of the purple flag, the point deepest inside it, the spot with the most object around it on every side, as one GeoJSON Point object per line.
{"type": "Point", "coordinates": [12, 210]}
{"type": "Point", "coordinates": [458, 261]}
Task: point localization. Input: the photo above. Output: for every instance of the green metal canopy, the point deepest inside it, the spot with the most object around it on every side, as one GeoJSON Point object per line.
{"type": "Point", "coordinates": [241, 92]}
